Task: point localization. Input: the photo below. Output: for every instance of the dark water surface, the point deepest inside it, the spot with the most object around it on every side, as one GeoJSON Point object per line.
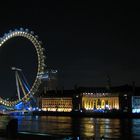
{"type": "Point", "coordinates": [84, 128]}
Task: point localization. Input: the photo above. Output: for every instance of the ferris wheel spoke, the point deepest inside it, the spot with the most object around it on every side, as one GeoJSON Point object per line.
{"type": "Point", "coordinates": [17, 84]}
{"type": "Point", "coordinates": [21, 85]}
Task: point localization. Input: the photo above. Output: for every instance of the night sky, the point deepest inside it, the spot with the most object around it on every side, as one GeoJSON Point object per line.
{"type": "Point", "coordinates": [84, 41]}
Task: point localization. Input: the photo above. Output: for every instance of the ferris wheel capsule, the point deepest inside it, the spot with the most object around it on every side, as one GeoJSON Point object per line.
{"type": "Point", "coordinates": [27, 30]}
{"type": "Point", "coordinates": [10, 31]}
{"type": "Point", "coordinates": [21, 29]}
{"type": "Point", "coordinates": [32, 32]}
{"type": "Point", "coordinates": [40, 42]}
{"type": "Point", "coordinates": [5, 34]}
{"type": "Point", "coordinates": [36, 36]}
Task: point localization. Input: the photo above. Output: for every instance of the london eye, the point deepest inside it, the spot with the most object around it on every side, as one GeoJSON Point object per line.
{"type": "Point", "coordinates": [29, 35]}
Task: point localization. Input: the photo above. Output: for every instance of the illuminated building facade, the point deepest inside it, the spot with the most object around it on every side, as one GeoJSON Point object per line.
{"type": "Point", "coordinates": [92, 99]}
{"type": "Point", "coordinates": [57, 104]}
{"type": "Point", "coordinates": [135, 104]}
{"type": "Point", "coordinates": [136, 100]}
{"type": "Point", "coordinates": [99, 101]}
{"type": "Point", "coordinates": [57, 101]}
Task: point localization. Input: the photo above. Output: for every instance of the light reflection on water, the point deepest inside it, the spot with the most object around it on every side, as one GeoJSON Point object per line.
{"type": "Point", "coordinates": [85, 128]}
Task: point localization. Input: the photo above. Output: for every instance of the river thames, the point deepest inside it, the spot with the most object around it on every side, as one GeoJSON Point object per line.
{"type": "Point", "coordinates": [84, 128]}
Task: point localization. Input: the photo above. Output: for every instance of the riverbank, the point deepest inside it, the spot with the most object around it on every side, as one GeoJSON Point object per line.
{"type": "Point", "coordinates": [40, 136]}
{"type": "Point", "coordinates": [35, 136]}
{"type": "Point", "coordinates": [88, 114]}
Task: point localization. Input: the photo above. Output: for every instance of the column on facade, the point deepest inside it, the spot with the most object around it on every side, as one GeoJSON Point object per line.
{"type": "Point", "coordinates": [103, 103]}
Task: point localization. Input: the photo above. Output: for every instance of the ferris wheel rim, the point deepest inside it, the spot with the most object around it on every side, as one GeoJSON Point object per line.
{"type": "Point", "coordinates": [40, 59]}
